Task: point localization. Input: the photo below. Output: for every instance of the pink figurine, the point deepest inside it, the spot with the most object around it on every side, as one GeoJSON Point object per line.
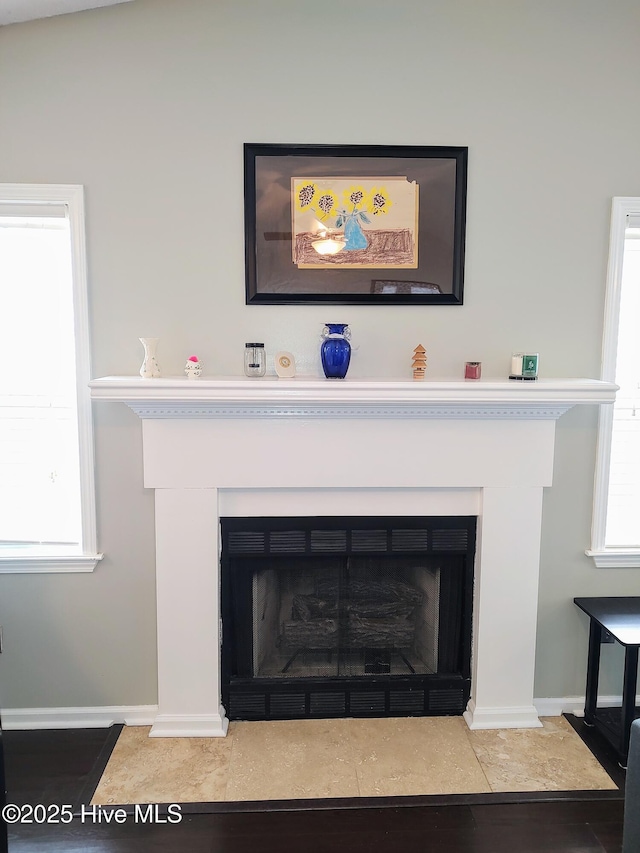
{"type": "Point", "coordinates": [193, 367]}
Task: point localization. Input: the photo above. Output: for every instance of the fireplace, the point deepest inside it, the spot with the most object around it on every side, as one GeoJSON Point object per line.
{"type": "Point", "coordinates": [356, 616]}
{"type": "Point", "coordinates": [237, 448]}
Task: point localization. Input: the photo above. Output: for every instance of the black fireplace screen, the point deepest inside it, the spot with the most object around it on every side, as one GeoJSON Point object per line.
{"type": "Point", "coordinates": [353, 616]}
{"type": "Point", "coordinates": [339, 617]}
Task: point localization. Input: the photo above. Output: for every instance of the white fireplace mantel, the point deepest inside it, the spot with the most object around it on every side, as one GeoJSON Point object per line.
{"type": "Point", "coordinates": [239, 397]}
{"type": "Point", "coordinates": [249, 447]}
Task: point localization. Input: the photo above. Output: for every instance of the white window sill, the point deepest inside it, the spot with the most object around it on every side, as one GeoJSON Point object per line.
{"type": "Point", "coordinates": [33, 560]}
{"type": "Point", "coordinates": [616, 558]}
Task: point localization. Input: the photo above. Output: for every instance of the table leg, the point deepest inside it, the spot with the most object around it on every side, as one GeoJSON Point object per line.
{"type": "Point", "coordinates": [628, 698]}
{"type": "Point", "coordinates": [593, 667]}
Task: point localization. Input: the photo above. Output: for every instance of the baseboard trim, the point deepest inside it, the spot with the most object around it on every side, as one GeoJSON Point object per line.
{"type": "Point", "coordinates": [78, 718]}
{"type": "Point", "coordinates": [190, 725]}
{"type": "Point", "coordinates": [556, 706]}
{"type": "Point", "coordinates": [525, 717]}
{"type": "Point", "coordinates": [216, 726]}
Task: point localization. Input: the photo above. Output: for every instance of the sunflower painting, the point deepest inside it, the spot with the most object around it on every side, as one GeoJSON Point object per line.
{"type": "Point", "coordinates": [373, 222]}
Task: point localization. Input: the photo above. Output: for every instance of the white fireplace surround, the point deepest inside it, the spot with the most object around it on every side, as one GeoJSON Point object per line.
{"type": "Point", "coordinates": [253, 447]}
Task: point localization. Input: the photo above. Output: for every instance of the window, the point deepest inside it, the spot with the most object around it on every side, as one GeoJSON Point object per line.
{"type": "Point", "coordinates": [47, 506]}
{"type": "Point", "coordinates": [616, 518]}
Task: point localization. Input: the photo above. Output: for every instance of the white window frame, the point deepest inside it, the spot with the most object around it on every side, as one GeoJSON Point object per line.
{"type": "Point", "coordinates": [606, 557]}
{"type": "Point", "coordinates": [66, 558]}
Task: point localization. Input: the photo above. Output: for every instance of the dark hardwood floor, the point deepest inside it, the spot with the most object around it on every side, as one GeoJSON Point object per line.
{"type": "Point", "coordinates": [62, 767]}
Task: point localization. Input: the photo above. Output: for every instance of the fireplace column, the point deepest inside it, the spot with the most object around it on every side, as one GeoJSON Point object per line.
{"type": "Point", "coordinates": [506, 594]}
{"type": "Point", "coordinates": [188, 607]}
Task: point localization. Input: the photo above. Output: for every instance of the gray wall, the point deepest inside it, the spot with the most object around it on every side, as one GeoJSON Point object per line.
{"type": "Point", "coordinates": [147, 105]}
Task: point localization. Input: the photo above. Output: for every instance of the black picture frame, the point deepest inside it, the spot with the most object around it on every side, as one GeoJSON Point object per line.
{"type": "Point", "coordinates": [272, 276]}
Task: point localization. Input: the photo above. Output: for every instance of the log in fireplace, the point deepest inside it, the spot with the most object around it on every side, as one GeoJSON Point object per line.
{"type": "Point", "coordinates": [340, 617]}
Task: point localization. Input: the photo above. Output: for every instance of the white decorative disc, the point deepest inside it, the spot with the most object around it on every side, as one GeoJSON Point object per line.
{"type": "Point", "coordinates": [285, 365]}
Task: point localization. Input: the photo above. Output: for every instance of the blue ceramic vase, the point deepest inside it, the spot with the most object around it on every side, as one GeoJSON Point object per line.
{"type": "Point", "coordinates": [335, 350]}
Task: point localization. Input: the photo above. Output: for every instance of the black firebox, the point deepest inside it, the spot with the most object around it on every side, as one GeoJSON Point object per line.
{"type": "Point", "coordinates": [346, 617]}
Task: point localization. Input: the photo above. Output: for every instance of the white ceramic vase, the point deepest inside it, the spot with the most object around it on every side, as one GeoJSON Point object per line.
{"type": "Point", "coordinates": [150, 368]}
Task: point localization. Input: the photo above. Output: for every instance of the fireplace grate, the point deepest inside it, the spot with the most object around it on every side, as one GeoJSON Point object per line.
{"type": "Point", "coordinates": [450, 540]}
{"type": "Point", "coordinates": [259, 700]}
{"type": "Point", "coordinates": [288, 704]}
{"type": "Point", "coordinates": [266, 536]}
{"type": "Point", "coordinates": [406, 703]}
{"type": "Point", "coordinates": [410, 540]}
{"type": "Point", "coordinates": [247, 542]}
{"type": "Point", "coordinates": [287, 542]}
{"type": "Point", "coordinates": [367, 702]}
{"type": "Point", "coordinates": [450, 701]}
{"type": "Point", "coordinates": [247, 706]}
{"type": "Point", "coordinates": [328, 540]}
{"type": "Point", "coordinates": [368, 540]}
{"type": "Point", "coordinates": [327, 704]}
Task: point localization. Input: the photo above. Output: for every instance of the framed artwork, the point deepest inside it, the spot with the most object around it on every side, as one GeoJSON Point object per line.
{"type": "Point", "coordinates": [354, 224]}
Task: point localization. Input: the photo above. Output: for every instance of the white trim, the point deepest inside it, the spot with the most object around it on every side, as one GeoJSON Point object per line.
{"type": "Point", "coordinates": [446, 412]}
{"type": "Point", "coordinates": [190, 725]}
{"type": "Point", "coordinates": [615, 558]}
{"type": "Point", "coordinates": [62, 563]}
{"type": "Point", "coordinates": [71, 196]}
{"type": "Point", "coordinates": [171, 725]}
{"type": "Point", "coordinates": [621, 209]}
{"type": "Point", "coordinates": [78, 718]}
{"type": "Point", "coordinates": [314, 398]}
{"type": "Point", "coordinates": [83, 366]}
{"type": "Point", "coordinates": [556, 706]}
{"type": "Point", "coordinates": [525, 717]}
{"type": "Point", "coordinates": [246, 503]}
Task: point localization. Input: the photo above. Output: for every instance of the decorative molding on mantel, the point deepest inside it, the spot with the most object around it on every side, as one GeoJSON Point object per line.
{"type": "Point", "coordinates": [237, 397]}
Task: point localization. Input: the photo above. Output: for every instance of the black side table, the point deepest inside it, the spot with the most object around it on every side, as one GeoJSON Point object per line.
{"type": "Point", "coordinates": [620, 618]}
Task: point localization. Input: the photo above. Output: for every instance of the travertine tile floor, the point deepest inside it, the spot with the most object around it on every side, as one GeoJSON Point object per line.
{"type": "Point", "coordinates": [347, 758]}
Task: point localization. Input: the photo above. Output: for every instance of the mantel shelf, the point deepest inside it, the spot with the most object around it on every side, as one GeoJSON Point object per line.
{"type": "Point", "coordinates": [237, 397]}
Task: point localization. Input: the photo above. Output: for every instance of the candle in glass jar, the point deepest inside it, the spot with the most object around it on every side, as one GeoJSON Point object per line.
{"type": "Point", "coordinates": [516, 364]}
{"type": "Point", "coordinates": [254, 360]}
{"type": "Point", "coordinates": [472, 369]}
{"type": "Point", "coordinates": [530, 366]}
{"type": "Point", "coordinates": [524, 366]}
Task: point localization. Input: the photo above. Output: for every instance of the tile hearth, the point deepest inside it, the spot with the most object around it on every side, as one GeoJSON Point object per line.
{"type": "Point", "coordinates": [317, 759]}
